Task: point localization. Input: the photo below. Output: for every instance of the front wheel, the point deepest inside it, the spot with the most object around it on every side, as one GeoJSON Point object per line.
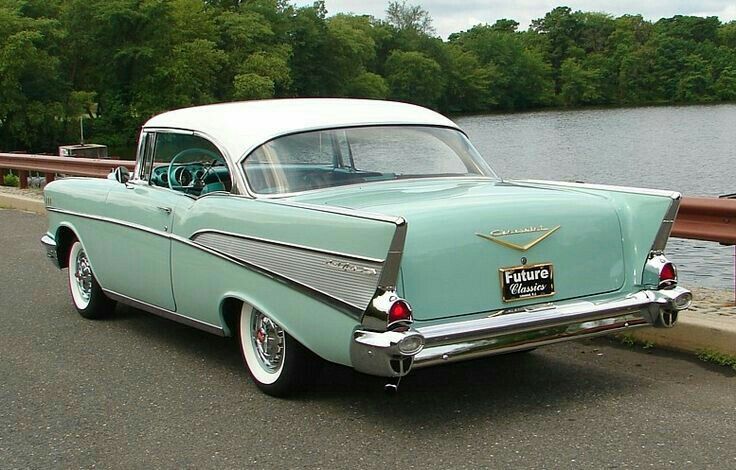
{"type": "Point", "coordinates": [86, 293]}
{"type": "Point", "coordinates": [277, 363]}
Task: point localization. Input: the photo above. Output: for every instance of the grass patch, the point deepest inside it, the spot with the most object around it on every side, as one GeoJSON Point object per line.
{"type": "Point", "coordinates": [717, 358]}
{"type": "Point", "coordinates": [630, 341]}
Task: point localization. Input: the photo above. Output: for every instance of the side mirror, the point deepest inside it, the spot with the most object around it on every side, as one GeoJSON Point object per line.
{"type": "Point", "coordinates": [119, 174]}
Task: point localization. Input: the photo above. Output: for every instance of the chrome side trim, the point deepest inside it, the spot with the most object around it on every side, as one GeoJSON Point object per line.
{"type": "Point", "coordinates": [660, 241]}
{"type": "Point", "coordinates": [162, 312]}
{"type": "Point", "coordinates": [319, 295]}
{"type": "Point", "coordinates": [289, 245]}
{"type": "Point", "coordinates": [50, 245]}
{"type": "Point", "coordinates": [336, 276]}
{"type": "Point", "coordinates": [122, 223]}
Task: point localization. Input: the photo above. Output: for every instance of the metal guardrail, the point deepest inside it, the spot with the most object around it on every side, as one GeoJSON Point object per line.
{"type": "Point", "coordinates": [51, 165]}
{"type": "Point", "coordinates": [706, 218]}
{"type": "Point", "coordinates": [699, 218]}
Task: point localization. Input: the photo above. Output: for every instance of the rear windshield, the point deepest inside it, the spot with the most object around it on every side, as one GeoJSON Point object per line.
{"type": "Point", "coordinates": [335, 157]}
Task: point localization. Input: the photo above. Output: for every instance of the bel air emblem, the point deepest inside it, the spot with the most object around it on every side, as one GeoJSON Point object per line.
{"type": "Point", "coordinates": [495, 236]}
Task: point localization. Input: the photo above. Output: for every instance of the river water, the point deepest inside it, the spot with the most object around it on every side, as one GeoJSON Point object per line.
{"type": "Point", "coordinates": [691, 149]}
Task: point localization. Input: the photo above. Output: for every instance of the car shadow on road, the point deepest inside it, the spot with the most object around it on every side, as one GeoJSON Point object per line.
{"type": "Point", "coordinates": [545, 380]}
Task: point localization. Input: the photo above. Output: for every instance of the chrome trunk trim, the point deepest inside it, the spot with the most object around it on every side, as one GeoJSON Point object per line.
{"type": "Point", "coordinates": [660, 241]}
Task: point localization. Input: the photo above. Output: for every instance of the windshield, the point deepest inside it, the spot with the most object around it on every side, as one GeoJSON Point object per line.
{"type": "Point", "coordinates": [335, 157]}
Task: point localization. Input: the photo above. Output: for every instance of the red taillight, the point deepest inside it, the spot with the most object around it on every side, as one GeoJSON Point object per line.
{"type": "Point", "coordinates": [668, 274]}
{"type": "Point", "coordinates": [399, 311]}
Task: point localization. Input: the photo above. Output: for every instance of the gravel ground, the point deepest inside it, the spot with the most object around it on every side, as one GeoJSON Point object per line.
{"type": "Point", "coordinates": [34, 193]}
{"type": "Point", "coordinates": [713, 302]}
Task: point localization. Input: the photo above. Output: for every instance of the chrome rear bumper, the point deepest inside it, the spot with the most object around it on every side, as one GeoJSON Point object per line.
{"type": "Point", "coordinates": [378, 353]}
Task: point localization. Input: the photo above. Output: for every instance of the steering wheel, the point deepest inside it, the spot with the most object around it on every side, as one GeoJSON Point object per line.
{"type": "Point", "coordinates": [174, 179]}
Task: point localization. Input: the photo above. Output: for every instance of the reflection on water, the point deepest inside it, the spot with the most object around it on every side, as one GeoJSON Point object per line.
{"type": "Point", "coordinates": [691, 149]}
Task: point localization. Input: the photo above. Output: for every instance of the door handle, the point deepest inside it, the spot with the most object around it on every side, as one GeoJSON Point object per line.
{"type": "Point", "coordinates": [165, 209]}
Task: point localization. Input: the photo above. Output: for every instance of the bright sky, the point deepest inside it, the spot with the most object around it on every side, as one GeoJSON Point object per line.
{"type": "Point", "coordinates": [451, 16]}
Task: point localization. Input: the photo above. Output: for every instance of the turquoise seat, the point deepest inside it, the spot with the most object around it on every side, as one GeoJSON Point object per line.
{"type": "Point", "coordinates": [212, 187]}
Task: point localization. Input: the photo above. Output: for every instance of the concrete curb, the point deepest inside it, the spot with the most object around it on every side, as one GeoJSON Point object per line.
{"type": "Point", "coordinates": [13, 201]}
{"type": "Point", "coordinates": [693, 333]}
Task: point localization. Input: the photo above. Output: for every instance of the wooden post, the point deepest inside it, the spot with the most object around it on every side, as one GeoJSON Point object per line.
{"type": "Point", "coordinates": [23, 176]}
{"type": "Point", "coordinates": [49, 177]}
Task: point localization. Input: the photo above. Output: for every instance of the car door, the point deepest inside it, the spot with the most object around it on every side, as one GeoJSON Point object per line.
{"type": "Point", "coordinates": [145, 212]}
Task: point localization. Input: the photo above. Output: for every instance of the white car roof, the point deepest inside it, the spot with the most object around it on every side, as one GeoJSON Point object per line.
{"type": "Point", "coordinates": [240, 127]}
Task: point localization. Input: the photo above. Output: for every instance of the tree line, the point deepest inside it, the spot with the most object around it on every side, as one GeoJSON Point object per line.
{"type": "Point", "coordinates": [119, 62]}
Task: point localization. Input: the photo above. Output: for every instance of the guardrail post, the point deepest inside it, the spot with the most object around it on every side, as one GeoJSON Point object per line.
{"type": "Point", "coordinates": [23, 177]}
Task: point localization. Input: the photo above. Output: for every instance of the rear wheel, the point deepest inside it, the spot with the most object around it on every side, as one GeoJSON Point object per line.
{"type": "Point", "coordinates": [277, 363]}
{"type": "Point", "coordinates": [86, 293]}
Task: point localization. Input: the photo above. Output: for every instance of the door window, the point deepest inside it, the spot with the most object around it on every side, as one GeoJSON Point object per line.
{"type": "Point", "coordinates": [187, 163]}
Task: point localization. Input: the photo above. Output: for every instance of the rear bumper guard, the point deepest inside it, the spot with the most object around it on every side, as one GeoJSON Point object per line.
{"type": "Point", "coordinates": [50, 245]}
{"type": "Point", "coordinates": [378, 353]}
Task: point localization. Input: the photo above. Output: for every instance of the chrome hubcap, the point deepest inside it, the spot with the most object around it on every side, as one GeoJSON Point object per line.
{"type": "Point", "coordinates": [83, 276]}
{"type": "Point", "coordinates": [268, 341]}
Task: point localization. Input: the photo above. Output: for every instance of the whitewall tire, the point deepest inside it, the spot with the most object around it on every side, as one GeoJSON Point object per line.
{"type": "Point", "coordinates": [276, 362]}
{"type": "Point", "coordinates": [86, 293]}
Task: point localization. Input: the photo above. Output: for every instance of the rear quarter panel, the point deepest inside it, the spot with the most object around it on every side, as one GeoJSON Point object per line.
{"type": "Point", "coordinates": [202, 280]}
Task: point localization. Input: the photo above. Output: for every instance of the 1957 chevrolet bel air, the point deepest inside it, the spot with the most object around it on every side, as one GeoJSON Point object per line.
{"type": "Point", "coordinates": [365, 233]}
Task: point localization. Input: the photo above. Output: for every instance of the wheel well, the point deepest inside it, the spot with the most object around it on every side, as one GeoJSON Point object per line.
{"type": "Point", "coordinates": [230, 310]}
{"type": "Point", "coordinates": [64, 239]}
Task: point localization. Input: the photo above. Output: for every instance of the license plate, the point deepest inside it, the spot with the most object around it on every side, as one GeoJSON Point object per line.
{"type": "Point", "coordinates": [525, 282]}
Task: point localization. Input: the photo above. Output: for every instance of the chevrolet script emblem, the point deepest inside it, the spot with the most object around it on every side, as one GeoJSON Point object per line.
{"type": "Point", "coordinates": [495, 236]}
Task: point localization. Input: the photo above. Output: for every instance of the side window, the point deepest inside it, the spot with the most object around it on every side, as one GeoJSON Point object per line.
{"type": "Point", "coordinates": [187, 163]}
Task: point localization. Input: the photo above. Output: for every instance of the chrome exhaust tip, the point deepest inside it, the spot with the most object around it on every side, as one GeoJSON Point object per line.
{"type": "Point", "coordinates": [666, 319]}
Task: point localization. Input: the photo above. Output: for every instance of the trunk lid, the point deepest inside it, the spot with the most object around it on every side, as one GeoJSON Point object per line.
{"type": "Point", "coordinates": [462, 233]}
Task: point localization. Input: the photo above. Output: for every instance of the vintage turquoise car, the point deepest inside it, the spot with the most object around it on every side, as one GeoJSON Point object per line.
{"type": "Point", "coordinates": [364, 233]}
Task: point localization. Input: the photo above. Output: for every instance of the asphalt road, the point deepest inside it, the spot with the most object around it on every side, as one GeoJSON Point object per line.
{"type": "Point", "coordinates": [137, 391]}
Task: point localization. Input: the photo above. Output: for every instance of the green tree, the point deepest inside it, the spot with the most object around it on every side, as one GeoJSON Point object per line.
{"type": "Point", "coordinates": [695, 80]}
{"type": "Point", "coordinates": [468, 82]}
{"type": "Point", "coordinates": [413, 77]}
{"type": "Point", "coordinates": [578, 85]}
{"type": "Point", "coordinates": [251, 86]}
{"type": "Point", "coordinates": [367, 85]}
{"type": "Point", "coordinates": [32, 94]}
{"type": "Point", "coordinates": [409, 17]}
{"type": "Point", "coordinates": [725, 87]}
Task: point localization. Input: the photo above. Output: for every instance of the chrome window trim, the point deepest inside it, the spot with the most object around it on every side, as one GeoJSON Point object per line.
{"type": "Point", "coordinates": [165, 313]}
{"type": "Point", "coordinates": [241, 161]}
{"type": "Point", "coordinates": [235, 175]}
